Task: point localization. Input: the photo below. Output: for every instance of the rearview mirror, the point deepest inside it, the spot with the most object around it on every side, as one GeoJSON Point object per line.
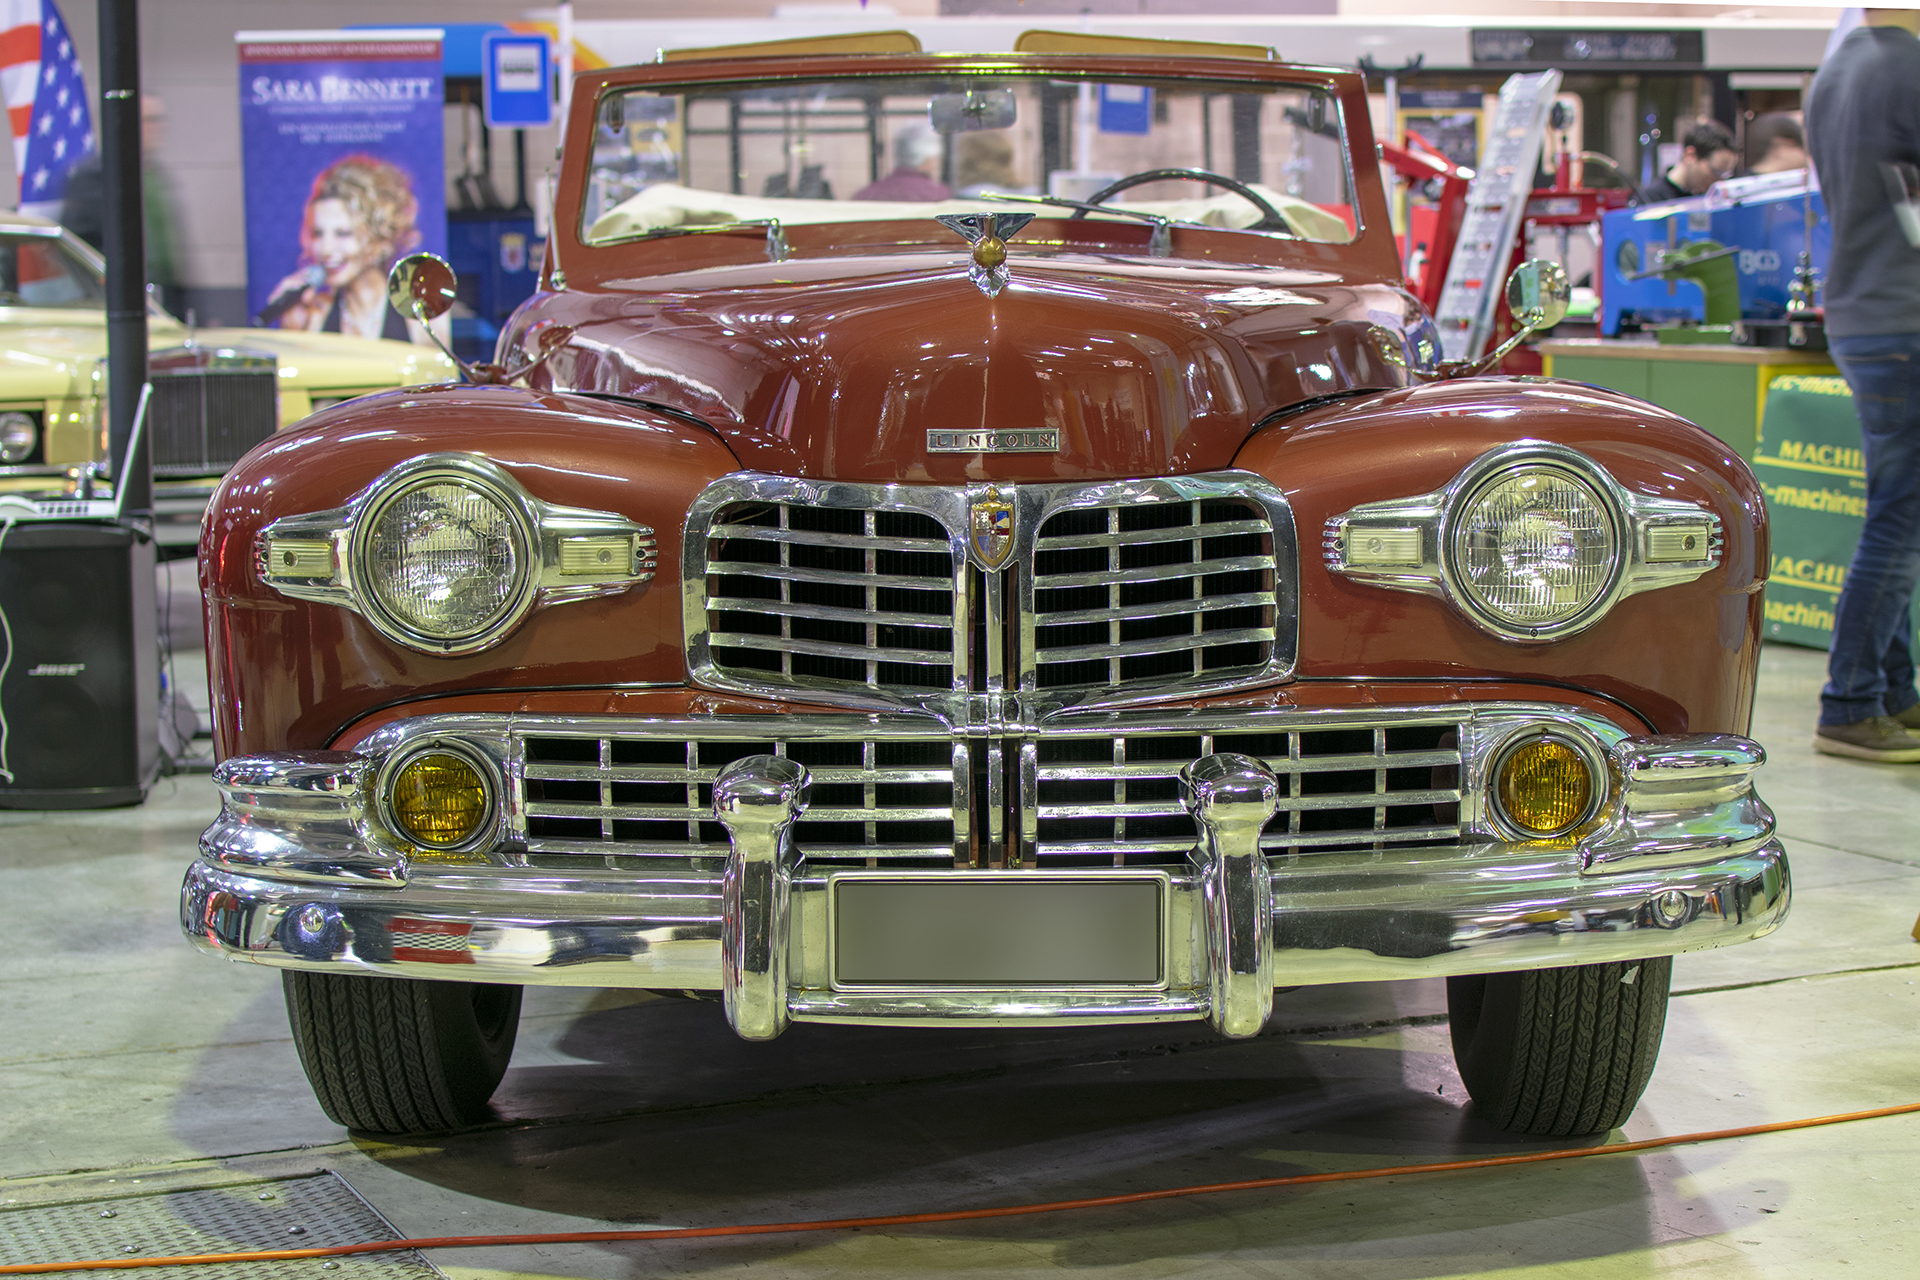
{"type": "Point", "coordinates": [972, 111]}
{"type": "Point", "coordinates": [421, 286]}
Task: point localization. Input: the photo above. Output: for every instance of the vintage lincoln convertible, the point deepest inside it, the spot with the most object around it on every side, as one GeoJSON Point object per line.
{"type": "Point", "coordinates": [989, 540]}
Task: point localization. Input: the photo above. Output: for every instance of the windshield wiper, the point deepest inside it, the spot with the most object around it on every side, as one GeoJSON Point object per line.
{"type": "Point", "coordinates": [1159, 245]}
{"type": "Point", "coordinates": [776, 235]}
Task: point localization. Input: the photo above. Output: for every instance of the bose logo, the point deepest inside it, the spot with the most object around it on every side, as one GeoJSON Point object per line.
{"type": "Point", "coordinates": [58, 669]}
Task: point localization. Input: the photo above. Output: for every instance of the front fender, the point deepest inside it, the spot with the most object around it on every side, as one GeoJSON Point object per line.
{"type": "Point", "coordinates": [288, 674]}
{"type": "Point", "coordinates": [1684, 657]}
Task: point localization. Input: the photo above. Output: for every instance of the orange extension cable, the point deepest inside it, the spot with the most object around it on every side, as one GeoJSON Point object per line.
{"type": "Point", "coordinates": [955, 1215]}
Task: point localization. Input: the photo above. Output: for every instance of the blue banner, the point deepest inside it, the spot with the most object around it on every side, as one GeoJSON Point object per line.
{"type": "Point", "coordinates": [342, 150]}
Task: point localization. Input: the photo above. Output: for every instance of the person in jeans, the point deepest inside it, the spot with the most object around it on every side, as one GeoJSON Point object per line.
{"type": "Point", "coordinates": [1862, 115]}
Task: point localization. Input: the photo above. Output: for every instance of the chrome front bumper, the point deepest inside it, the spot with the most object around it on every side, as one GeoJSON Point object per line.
{"type": "Point", "coordinates": [1686, 860]}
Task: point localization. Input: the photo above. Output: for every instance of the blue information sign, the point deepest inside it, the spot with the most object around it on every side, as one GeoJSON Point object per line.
{"type": "Point", "coordinates": [516, 80]}
{"type": "Point", "coordinates": [1126, 108]}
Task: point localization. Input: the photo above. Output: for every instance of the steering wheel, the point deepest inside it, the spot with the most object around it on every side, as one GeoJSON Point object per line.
{"type": "Point", "coordinates": [1270, 218]}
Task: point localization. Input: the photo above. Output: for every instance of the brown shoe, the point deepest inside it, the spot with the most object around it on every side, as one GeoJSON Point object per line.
{"type": "Point", "coordinates": [1910, 718]}
{"type": "Point", "coordinates": [1880, 738]}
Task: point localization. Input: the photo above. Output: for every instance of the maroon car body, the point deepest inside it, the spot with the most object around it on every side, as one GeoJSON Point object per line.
{"type": "Point", "coordinates": [1460, 690]}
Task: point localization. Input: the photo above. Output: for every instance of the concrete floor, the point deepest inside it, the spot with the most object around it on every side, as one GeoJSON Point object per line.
{"type": "Point", "coordinates": [131, 1064]}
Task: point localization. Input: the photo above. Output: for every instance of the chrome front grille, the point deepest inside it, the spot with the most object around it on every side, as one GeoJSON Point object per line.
{"type": "Point", "coordinates": [201, 422]}
{"type": "Point", "coordinates": [1112, 798]}
{"type": "Point", "coordinates": [643, 796]}
{"type": "Point", "coordinates": [803, 594]}
{"type": "Point", "coordinates": [1165, 591]}
{"type": "Point", "coordinates": [1068, 594]}
{"type": "Point", "coordinates": [638, 798]}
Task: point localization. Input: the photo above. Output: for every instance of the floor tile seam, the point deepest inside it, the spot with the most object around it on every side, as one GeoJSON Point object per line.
{"type": "Point", "coordinates": [150, 1049]}
{"type": "Point", "coordinates": [185, 1165]}
{"type": "Point", "coordinates": [1798, 977]}
{"type": "Point", "coordinates": [1835, 848]}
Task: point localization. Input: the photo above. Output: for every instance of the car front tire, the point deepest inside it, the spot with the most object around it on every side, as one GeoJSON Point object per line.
{"type": "Point", "coordinates": [1559, 1052]}
{"type": "Point", "coordinates": [397, 1055]}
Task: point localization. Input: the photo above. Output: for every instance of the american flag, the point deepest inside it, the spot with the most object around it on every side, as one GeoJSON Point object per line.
{"type": "Point", "coordinates": [46, 101]}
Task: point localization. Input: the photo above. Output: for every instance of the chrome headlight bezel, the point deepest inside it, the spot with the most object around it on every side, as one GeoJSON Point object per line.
{"type": "Point", "coordinates": [1478, 480]}
{"type": "Point", "coordinates": [1412, 544]}
{"type": "Point", "coordinates": [523, 525]}
{"type": "Point", "coordinates": [486, 833]}
{"type": "Point", "coordinates": [1592, 756]}
{"type": "Point", "coordinates": [561, 553]}
{"type": "Point", "coordinates": [11, 451]}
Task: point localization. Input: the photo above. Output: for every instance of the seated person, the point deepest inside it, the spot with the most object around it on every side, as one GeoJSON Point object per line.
{"type": "Point", "coordinates": [1776, 143]}
{"type": "Point", "coordinates": [916, 157]}
{"type": "Point", "coordinates": [1706, 156]}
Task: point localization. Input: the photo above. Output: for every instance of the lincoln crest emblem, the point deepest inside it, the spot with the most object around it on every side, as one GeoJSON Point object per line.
{"type": "Point", "coordinates": [992, 529]}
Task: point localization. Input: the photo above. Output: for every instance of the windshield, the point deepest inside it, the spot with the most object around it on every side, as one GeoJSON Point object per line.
{"type": "Point", "coordinates": [676, 159]}
{"type": "Point", "coordinates": [40, 271]}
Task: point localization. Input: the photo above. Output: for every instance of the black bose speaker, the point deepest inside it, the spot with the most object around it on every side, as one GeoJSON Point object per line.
{"type": "Point", "coordinates": [79, 668]}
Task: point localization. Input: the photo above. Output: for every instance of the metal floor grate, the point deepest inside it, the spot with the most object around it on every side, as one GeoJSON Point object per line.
{"type": "Point", "coordinates": [216, 1220]}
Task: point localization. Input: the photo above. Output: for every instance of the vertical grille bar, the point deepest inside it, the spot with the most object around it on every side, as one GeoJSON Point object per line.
{"type": "Point", "coordinates": [606, 788]}
{"type": "Point", "coordinates": [1195, 554]}
{"type": "Point", "coordinates": [1293, 783]}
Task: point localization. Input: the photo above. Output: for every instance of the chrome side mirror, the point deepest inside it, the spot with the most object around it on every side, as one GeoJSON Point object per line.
{"type": "Point", "coordinates": [421, 286]}
{"type": "Point", "coordinates": [1538, 294]}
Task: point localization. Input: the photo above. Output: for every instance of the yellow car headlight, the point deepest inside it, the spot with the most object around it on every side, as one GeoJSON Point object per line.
{"type": "Point", "coordinates": [1544, 787]}
{"type": "Point", "coordinates": [440, 799]}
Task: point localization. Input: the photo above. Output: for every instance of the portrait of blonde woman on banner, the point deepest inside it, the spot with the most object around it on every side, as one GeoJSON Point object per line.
{"type": "Point", "coordinates": [360, 216]}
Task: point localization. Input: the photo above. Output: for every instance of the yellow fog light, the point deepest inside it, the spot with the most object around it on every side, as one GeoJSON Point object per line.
{"type": "Point", "coordinates": [439, 800]}
{"type": "Point", "coordinates": [1545, 787]}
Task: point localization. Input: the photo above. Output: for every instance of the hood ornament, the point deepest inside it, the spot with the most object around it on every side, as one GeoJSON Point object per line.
{"type": "Point", "coordinates": [988, 233]}
{"type": "Point", "coordinates": [990, 529]}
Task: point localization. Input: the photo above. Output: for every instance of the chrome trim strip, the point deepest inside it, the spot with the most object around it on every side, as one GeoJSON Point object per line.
{"type": "Point", "coordinates": [1679, 795]}
{"type": "Point", "coordinates": [757, 800]}
{"type": "Point", "coordinates": [990, 1007]}
{"type": "Point", "coordinates": [1231, 798]}
{"type": "Point", "coordinates": [319, 556]}
{"type": "Point", "coordinates": [301, 816]}
{"type": "Point", "coordinates": [1645, 527]}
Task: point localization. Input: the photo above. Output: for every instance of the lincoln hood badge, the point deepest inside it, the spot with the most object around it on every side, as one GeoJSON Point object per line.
{"type": "Point", "coordinates": [988, 233]}
{"type": "Point", "coordinates": [992, 529]}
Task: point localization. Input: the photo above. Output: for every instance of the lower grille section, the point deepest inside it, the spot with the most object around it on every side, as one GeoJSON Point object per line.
{"type": "Point", "coordinates": [201, 423]}
{"type": "Point", "coordinates": [888, 800]}
{"type": "Point", "coordinates": [1071, 799]}
{"type": "Point", "coordinates": [1117, 798]}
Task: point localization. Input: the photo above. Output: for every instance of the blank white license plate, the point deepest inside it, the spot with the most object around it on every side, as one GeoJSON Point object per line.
{"type": "Point", "coordinates": [1020, 929]}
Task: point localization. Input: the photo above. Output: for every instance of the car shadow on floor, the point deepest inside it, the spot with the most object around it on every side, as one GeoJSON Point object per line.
{"type": "Point", "coordinates": [694, 1127]}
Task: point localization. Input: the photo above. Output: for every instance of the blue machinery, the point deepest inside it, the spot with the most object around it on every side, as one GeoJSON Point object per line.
{"type": "Point", "coordinates": [1762, 221]}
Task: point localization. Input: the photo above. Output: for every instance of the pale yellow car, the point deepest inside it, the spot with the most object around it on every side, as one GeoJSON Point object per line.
{"type": "Point", "coordinates": [216, 392]}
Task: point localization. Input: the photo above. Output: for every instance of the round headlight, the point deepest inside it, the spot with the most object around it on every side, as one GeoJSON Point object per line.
{"type": "Point", "coordinates": [1544, 787]}
{"type": "Point", "coordinates": [445, 563]}
{"type": "Point", "coordinates": [1534, 550]}
{"type": "Point", "coordinates": [19, 437]}
{"type": "Point", "coordinates": [439, 800]}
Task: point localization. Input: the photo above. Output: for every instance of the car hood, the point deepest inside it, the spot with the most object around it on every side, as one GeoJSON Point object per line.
{"type": "Point", "coordinates": [843, 368]}
{"type": "Point", "coordinates": [52, 348]}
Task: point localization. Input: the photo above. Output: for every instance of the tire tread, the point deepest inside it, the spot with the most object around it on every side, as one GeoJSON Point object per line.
{"type": "Point", "coordinates": [1560, 1052]}
{"type": "Point", "coordinates": [372, 1048]}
